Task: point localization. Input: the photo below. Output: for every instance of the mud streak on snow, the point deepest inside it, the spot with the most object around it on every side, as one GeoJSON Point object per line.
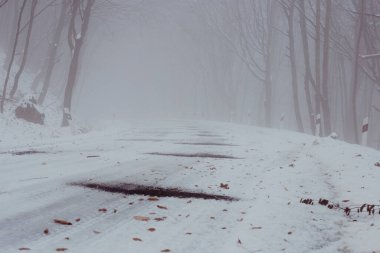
{"type": "Point", "coordinates": [135, 189]}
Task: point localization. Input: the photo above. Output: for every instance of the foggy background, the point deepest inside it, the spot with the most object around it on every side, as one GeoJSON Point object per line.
{"type": "Point", "coordinates": [214, 60]}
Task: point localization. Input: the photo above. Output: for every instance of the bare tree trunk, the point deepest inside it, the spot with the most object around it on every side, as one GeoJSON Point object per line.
{"type": "Point", "coordinates": [289, 12]}
{"type": "Point", "coordinates": [318, 59]}
{"type": "Point", "coordinates": [12, 56]}
{"type": "Point", "coordinates": [325, 71]}
{"type": "Point", "coordinates": [53, 53]}
{"type": "Point", "coordinates": [76, 46]}
{"type": "Point", "coordinates": [12, 35]}
{"type": "Point", "coordinates": [3, 2]}
{"type": "Point", "coordinates": [26, 47]}
{"type": "Point", "coordinates": [268, 66]}
{"type": "Point", "coordinates": [355, 72]}
{"type": "Point", "coordinates": [308, 76]}
{"type": "Point", "coordinates": [344, 100]}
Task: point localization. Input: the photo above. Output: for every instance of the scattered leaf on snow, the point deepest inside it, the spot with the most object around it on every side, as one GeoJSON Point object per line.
{"type": "Point", "coordinates": [102, 210]}
{"type": "Point", "coordinates": [23, 248]}
{"type": "Point", "coordinates": [188, 233]}
{"type": "Point", "coordinates": [151, 229]}
{"type": "Point", "coordinates": [46, 231]}
{"type": "Point", "coordinates": [290, 232]}
{"type": "Point", "coordinates": [224, 186]}
{"type": "Point", "coordinates": [96, 232]}
{"type": "Point", "coordinates": [162, 207]}
{"type": "Point", "coordinates": [67, 238]}
{"type": "Point", "coordinates": [377, 164]}
{"type": "Point", "coordinates": [137, 239]}
{"type": "Point", "coordinates": [77, 219]}
{"type": "Point", "coordinates": [239, 242]}
{"type": "Point", "coordinates": [165, 250]}
{"type": "Point", "coordinates": [60, 249]}
{"type": "Point", "coordinates": [62, 222]}
{"type": "Point", "coordinates": [114, 210]}
{"type": "Point", "coordinates": [153, 199]}
{"type": "Point", "coordinates": [159, 218]}
{"type": "Point", "coordinates": [141, 218]}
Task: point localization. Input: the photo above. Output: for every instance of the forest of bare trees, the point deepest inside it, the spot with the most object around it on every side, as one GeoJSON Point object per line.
{"type": "Point", "coordinates": [323, 54]}
{"type": "Point", "coordinates": [73, 15]}
{"type": "Point", "coordinates": [311, 66]}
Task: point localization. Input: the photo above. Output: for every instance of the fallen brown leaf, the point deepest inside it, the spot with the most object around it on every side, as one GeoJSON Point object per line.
{"type": "Point", "coordinates": [103, 210]}
{"type": "Point", "coordinates": [77, 219]}
{"type": "Point", "coordinates": [153, 199]}
{"type": "Point", "coordinates": [162, 207]}
{"type": "Point", "coordinates": [46, 231]}
{"type": "Point", "coordinates": [141, 218]}
{"type": "Point", "coordinates": [137, 239]}
{"type": "Point", "coordinates": [224, 186]}
{"type": "Point", "coordinates": [96, 232]}
{"type": "Point", "coordinates": [61, 249]}
{"type": "Point", "coordinates": [62, 222]}
{"type": "Point", "coordinates": [23, 248]}
{"type": "Point", "coordinates": [151, 229]}
{"type": "Point", "coordinates": [165, 250]}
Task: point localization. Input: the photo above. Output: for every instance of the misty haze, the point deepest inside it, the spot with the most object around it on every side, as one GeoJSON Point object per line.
{"type": "Point", "coordinates": [189, 126]}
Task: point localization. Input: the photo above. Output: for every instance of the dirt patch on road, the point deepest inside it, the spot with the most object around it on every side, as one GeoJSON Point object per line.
{"type": "Point", "coordinates": [198, 155]}
{"type": "Point", "coordinates": [27, 152]}
{"type": "Point", "coordinates": [136, 189]}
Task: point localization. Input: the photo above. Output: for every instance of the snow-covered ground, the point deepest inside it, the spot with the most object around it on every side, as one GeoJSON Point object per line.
{"type": "Point", "coordinates": [275, 170]}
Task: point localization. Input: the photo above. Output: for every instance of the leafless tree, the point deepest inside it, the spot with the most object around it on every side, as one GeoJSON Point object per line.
{"type": "Point", "coordinates": [26, 48]}
{"type": "Point", "coordinates": [12, 55]}
{"type": "Point", "coordinates": [79, 9]}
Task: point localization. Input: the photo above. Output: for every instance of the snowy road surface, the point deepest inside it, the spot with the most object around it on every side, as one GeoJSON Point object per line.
{"type": "Point", "coordinates": [275, 170]}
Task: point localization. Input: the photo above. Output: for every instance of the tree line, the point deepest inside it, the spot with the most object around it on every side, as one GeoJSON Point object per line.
{"type": "Point", "coordinates": [71, 23]}
{"type": "Point", "coordinates": [323, 54]}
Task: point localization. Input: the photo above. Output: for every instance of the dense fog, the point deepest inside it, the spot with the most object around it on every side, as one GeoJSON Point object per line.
{"type": "Point", "coordinates": [267, 63]}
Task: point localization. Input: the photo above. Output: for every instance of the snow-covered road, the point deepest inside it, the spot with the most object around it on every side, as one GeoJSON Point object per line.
{"type": "Point", "coordinates": [274, 171]}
